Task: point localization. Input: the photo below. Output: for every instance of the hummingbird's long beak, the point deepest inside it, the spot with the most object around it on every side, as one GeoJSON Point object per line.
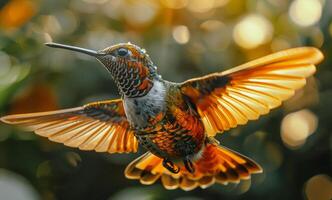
{"type": "Point", "coordinates": [73, 48]}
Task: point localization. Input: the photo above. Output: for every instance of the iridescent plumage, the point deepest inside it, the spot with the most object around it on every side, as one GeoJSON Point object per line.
{"type": "Point", "coordinates": [175, 122]}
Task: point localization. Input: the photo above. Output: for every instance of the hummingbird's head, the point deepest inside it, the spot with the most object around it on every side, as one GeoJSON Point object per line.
{"type": "Point", "coordinates": [130, 66]}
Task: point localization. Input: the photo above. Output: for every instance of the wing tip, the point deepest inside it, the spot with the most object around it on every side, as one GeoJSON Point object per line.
{"type": "Point", "coordinates": [311, 54]}
{"type": "Point", "coordinates": [316, 55]}
{"type": "Point", "coordinates": [6, 119]}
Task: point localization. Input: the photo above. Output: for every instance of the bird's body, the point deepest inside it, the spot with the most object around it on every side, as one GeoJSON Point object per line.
{"type": "Point", "coordinates": [162, 120]}
{"type": "Point", "coordinates": [165, 123]}
{"type": "Point", "coordinates": [175, 122]}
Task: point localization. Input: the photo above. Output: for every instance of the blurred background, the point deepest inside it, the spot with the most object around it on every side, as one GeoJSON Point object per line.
{"type": "Point", "coordinates": [185, 38]}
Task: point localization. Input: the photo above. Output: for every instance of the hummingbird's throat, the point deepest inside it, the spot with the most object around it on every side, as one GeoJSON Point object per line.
{"type": "Point", "coordinates": [133, 79]}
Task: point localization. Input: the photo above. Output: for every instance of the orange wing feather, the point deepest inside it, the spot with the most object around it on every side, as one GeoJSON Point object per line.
{"type": "Point", "coordinates": [100, 126]}
{"type": "Point", "coordinates": [227, 99]}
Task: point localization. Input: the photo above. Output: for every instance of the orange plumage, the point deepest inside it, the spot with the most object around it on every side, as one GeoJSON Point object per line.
{"type": "Point", "coordinates": [217, 165]}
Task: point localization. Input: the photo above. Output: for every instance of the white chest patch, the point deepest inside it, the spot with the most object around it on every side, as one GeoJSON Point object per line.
{"type": "Point", "coordinates": [139, 110]}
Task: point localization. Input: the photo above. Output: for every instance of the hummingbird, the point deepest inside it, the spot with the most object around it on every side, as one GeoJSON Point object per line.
{"type": "Point", "coordinates": [175, 122]}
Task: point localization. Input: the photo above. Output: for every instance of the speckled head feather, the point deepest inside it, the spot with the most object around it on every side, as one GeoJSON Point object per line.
{"type": "Point", "coordinates": [131, 68]}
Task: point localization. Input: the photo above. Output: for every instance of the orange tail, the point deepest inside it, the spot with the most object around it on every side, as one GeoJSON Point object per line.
{"type": "Point", "coordinates": [217, 164]}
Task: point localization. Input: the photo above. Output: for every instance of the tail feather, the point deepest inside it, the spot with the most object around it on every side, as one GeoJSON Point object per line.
{"type": "Point", "coordinates": [217, 165]}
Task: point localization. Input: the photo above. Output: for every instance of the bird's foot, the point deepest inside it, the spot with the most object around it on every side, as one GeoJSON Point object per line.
{"type": "Point", "coordinates": [189, 165]}
{"type": "Point", "coordinates": [170, 166]}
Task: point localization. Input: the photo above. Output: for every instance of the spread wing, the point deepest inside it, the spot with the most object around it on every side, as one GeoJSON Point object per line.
{"type": "Point", "coordinates": [100, 126]}
{"type": "Point", "coordinates": [227, 99]}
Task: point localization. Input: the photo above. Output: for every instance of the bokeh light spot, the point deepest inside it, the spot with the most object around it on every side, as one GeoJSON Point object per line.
{"type": "Point", "coordinates": [305, 12]}
{"type": "Point", "coordinates": [200, 6]}
{"type": "Point", "coordinates": [17, 12]}
{"type": "Point", "coordinates": [174, 4]}
{"type": "Point", "coordinates": [252, 31]}
{"type": "Point", "coordinates": [181, 34]}
{"type": "Point", "coordinates": [297, 126]}
{"type": "Point", "coordinates": [139, 13]}
{"type": "Point", "coordinates": [319, 187]}
{"type": "Point", "coordinates": [15, 187]}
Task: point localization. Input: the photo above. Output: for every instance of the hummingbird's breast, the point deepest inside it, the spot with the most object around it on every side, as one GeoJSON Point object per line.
{"type": "Point", "coordinates": [141, 111]}
{"type": "Point", "coordinates": [165, 123]}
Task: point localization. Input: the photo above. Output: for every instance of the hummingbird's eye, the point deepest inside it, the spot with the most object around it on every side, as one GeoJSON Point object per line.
{"type": "Point", "coordinates": [122, 52]}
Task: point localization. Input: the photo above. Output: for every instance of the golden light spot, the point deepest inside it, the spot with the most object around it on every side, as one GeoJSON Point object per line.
{"type": "Point", "coordinates": [139, 13]}
{"type": "Point", "coordinates": [175, 4]}
{"type": "Point", "coordinates": [181, 34]}
{"type": "Point", "coordinates": [297, 126]}
{"type": "Point", "coordinates": [305, 12]}
{"type": "Point", "coordinates": [319, 187]}
{"type": "Point", "coordinates": [252, 31]}
{"type": "Point", "coordinates": [16, 13]}
{"type": "Point", "coordinates": [200, 6]}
